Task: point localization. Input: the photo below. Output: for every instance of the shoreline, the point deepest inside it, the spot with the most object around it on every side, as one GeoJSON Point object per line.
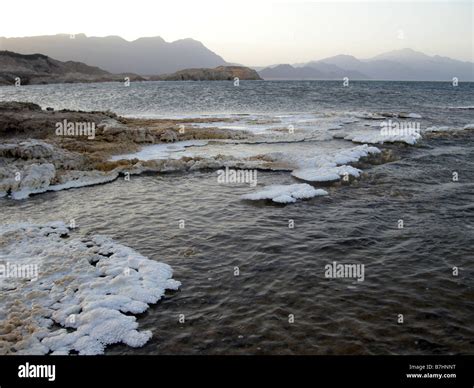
{"type": "Point", "coordinates": [34, 159]}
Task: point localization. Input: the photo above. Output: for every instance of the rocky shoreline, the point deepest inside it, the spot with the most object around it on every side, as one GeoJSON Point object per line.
{"type": "Point", "coordinates": [46, 150]}
{"type": "Point", "coordinates": [35, 159]}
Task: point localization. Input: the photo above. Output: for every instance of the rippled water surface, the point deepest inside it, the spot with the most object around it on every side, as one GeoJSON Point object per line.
{"type": "Point", "coordinates": [198, 98]}
{"type": "Point", "coordinates": [407, 271]}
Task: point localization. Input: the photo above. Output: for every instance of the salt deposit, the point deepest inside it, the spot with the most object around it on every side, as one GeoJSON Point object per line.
{"type": "Point", "coordinates": [285, 193]}
{"type": "Point", "coordinates": [88, 286]}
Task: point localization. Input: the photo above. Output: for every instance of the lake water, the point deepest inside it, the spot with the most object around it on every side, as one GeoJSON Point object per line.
{"type": "Point", "coordinates": [282, 270]}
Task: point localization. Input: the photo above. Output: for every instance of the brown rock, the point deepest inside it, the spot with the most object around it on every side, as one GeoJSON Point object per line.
{"type": "Point", "coordinates": [169, 136]}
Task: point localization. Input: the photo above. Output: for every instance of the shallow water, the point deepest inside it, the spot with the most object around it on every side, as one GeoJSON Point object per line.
{"type": "Point", "coordinates": [407, 271]}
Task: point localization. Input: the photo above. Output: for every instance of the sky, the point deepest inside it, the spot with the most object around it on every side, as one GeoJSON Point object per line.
{"type": "Point", "coordinates": [260, 32]}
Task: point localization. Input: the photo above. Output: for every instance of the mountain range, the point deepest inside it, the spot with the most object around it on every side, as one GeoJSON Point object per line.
{"type": "Point", "coordinates": [405, 64]}
{"type": "Point", "coordinates": [30, 69]}
{"type": "Point", "coordinates": [155, 56]}
{"type": "Point", "coordinates": [145, 56]}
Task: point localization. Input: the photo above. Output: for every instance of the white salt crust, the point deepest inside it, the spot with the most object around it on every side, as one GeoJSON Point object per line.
{"type": "Point", "coordinates": [325, 169]}
{"type": "Point", "coordinates": [376, 137]}
{"type": "Point", "coordinates": [160, 151]}
{"type": "Point", "coordinates": [41, 185]}
{"type": "Point", "coordinates": [285, 193]}
{"type": "Point", "coordinates": [85, 285]}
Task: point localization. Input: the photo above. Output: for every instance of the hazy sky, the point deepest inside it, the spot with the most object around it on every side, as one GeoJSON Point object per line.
{"type": "Point", "coordinates": [260, 32]}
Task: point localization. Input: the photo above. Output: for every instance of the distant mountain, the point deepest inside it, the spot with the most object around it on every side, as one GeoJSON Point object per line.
{"type": "Point", "coordinates": [333, 71]}
{"type": "Point", "coordinates": [41, 69]}
{"type": "Point", "coordinates": [289, 72]}
{"type": "Point", "coordinates": [425, 67]}
{"type": "Point", "coordinates": [405, 64]}
{"type": "Point", "coordinates": [377, 69]}
{"type": "Point", "coordinates": [311, 71]}
{"type": "Point", "coordinates": [145, 56]}
{"type": "Point", "coordinates": [221, 73]}
{"type": "Point", "coordinates": [341, 61]}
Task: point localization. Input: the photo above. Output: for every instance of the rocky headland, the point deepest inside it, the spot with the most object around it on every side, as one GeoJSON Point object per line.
{"type": "Point", "coordinates": [221, 73]}
{"type": "Point", "coordinates": [18, 69]}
